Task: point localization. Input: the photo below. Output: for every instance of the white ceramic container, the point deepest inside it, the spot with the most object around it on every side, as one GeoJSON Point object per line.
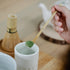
{"type": "Point", "coordinates": [26, 61]}
{"type": "Point", "coordinates": [7, 62]}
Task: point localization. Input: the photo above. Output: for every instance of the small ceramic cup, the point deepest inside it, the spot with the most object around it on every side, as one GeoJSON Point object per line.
{"type": "Point", "coordinates": [26, 62]}
{"type": "Point", "coordinates": [7, 62]}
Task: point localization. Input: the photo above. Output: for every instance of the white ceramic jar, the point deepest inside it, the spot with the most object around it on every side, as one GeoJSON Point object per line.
{"type": "Point", "coordinates": [26, 62]}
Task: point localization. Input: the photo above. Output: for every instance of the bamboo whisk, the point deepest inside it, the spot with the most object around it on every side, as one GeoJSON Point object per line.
{"type": "Point", "coordinates": [11, 37]}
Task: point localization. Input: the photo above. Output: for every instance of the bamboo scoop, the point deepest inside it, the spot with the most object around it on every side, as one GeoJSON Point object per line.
{"type": "Point", "coordinates": [34, 40]}
{"type": "Point", "coordinates": [30, 43]}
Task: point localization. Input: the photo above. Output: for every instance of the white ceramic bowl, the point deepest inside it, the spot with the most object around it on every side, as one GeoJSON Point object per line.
{"type": "Point", "coordinates": [7, 62]}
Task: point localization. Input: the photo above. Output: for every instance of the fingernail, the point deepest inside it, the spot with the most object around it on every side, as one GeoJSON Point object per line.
{"type": "Point", "coordinates": [52, 9]}
{"type": "Point", "coordinates": [61, 29]}
{"type": "Point", "coordinates": [56, 6]}
{"type": "Point", "coordinates": [59, 24]}
{"type": "Point", "coordinates": [56, 18]}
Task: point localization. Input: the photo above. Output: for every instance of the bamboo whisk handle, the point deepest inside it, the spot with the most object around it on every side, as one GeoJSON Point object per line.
{"type": "Point", "coordinates": [12, 21]}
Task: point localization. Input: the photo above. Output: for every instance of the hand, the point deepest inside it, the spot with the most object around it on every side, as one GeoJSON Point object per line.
{"type": "Point", "coordinates": [62, 22]}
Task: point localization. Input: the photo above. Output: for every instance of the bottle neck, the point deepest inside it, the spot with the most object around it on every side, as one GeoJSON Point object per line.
{"type": "Point", "coordinates": [11, 31]}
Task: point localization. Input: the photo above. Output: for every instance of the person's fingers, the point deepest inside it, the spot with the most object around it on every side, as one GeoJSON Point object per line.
{"type": "Point", "coordinates": [61, 9]}
{"type": "Point", "coordinates": [59, 24]}
{"type": "Point", "coordinates": [59, 29]}
{"type": "Point", "coordinates": [62, 34]}
{"type": "Point", "coordinates": [56, 17]}
{"type": "Point", "coordinates": [53, 10]}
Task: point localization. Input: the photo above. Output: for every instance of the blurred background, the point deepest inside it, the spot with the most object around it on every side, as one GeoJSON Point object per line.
{"type": "Point", "coordinates": [27, 11]}
{"type": "Point", "coordinates": [29, 16]}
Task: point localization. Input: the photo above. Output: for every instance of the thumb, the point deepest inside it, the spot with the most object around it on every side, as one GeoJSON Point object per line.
{"type": "Point", "coordinates": [61, 9]}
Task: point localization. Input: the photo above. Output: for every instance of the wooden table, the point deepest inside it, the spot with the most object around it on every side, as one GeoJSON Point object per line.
{"type": "Point", "coordinates": [47, 62]}
{"type": "Point", "coordinates": [29, 16]}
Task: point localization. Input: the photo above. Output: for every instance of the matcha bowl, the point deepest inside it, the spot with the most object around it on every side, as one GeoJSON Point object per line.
{"type": "Point", "coordinates": [7, 62]}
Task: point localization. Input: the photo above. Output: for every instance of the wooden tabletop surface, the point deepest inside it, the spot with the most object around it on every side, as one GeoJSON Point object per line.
{"type": "Point", "coordinates": [47, 62]}
{"type": "Point", "coordinates": [29, 16]}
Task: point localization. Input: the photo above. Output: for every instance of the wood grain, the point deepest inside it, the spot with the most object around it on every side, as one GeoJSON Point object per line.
{"type": "Point", "coordinates": [54, 64]}
{"type": "Point", "coordinates": [43, 60]}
